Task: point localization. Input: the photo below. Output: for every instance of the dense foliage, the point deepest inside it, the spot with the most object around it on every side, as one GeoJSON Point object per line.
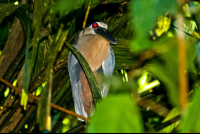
{"type": "Point", "coordinates": [155, 85]}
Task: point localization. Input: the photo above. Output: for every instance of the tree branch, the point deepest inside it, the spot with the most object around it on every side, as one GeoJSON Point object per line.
{"type": "Point", "coordinates": [53, 105]}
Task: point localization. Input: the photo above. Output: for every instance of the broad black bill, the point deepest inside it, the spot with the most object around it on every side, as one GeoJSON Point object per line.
{"type": "Point", "coordinates": [105, 34]}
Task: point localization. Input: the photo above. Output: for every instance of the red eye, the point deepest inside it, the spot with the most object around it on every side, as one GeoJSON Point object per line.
{"type": "Point", "coordinates": [94, 25]}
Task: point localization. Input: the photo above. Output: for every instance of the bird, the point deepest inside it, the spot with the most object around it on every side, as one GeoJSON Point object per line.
{"type": "Point", "coordinates": [93, 42]}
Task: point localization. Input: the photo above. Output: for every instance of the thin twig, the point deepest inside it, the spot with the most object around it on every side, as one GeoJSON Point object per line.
{"type": "Point", "coordinates": [53, 105]}
{"type": "Point", "coordinates": [183, 78]}
{"type": "Point", "coordinates": [153, 106]}
{"type": "Point", "coordinates": [86, 15]}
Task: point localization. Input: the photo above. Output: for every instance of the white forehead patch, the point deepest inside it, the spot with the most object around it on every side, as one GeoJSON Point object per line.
{"type": "Point", "coordinates": [100, 24]}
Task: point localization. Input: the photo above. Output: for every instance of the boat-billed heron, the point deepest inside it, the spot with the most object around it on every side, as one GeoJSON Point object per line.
{"type": "Point", "coordinates": [94, 44]}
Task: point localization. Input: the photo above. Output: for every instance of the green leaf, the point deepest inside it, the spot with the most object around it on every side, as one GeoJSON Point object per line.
{"type": "Point", "coordinates": [116, 114]}
{"type": "Point", "coordinates": [66, 125]}
{"type": "Point", "coordinates": [43, 112]}
{"type": "Point", "coordinates": [173, 113]}
{"type": "Point", "coordinates": [145, 13]}
{"type": "Point", "coordinates": [191, 55]}
{"type": "Point", "coordinates": [161, 74]}
{"type": "Point", "coordinates": [4, 32]}
{"type": "Point", "coordinates": [6, 93]}
{"type": "Point", "coordinates": [67, 5]}
{"type": "Point", "coordinates": [150, 127]}
{"type": "Point", "coordinates": [26, 73]}
{"type": "Point", "coordinates": [167, 71]}
{"type": "Point", "coordinates": [18, 10]}
{"type": "Point", "coordinates": [62, 91]}
{"type": "Point", "coordinates": [29, 63]}
{"type": "Point", "coordinates": [26, 76]}
{"type": "Point", "coordinates": [24, 99]}
{"type": "Point", "coordinates": [198, 51]}
{"type": "Point", "coordinates": [21, 15]}
{"type": "Point", "coordinates": [191, 119]}
{"type": "Point", "coordinates": [7, 9]}
{"type": "Point", "coordinates": [38, 91]}
{"type": "Point", "coordinates": [37, 18]}
{"type": "Point", "coordinates": [42, 59]}
{"type": "Point", "coordinates": [90, 76]}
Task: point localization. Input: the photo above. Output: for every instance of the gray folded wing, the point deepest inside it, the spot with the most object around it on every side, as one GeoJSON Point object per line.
{"type": "Point", "coordinates": [108, 69]}
{"type": "Point", "coordinates": [75, 68]}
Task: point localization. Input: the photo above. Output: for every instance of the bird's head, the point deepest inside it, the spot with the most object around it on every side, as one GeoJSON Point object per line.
{"type": "Point", "coordinates": [100, 29]}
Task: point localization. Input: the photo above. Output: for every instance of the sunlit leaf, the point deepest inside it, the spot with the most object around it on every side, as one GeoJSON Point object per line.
{"type": "Point", "coordinates": [66, 121]}
{"type": "Point", "coordinates": [149, 86]}
{"type": "Point", "coordinates": [6, 93]}
{"type": "Point", "coordinates": [173, 113]}
{"type": "Point", "coordinates": [65, 128]}
{"type": "Point", "coordinates": [116, 114]}
{"type": "Point", "coordinates": [122, 71]}
{"type": "Point", "coordinates": [142, 81]}
{"type": "Point", "coordinates": [39, 90]}
{"type": "Point", "coordinates": [126, 76]}
{"type": "Point", "coordinates": [24, 99]}
{"type": "Point", "coordinates": [26, 126]}
{"type": "Point", "coordinates": [15, 82]}
{"type": "Point", "coordinates": [43, 84]}
{"type": "Point", "coordinates": [16, 3]}
{"type": "Point", "coordinates": [190, 26]}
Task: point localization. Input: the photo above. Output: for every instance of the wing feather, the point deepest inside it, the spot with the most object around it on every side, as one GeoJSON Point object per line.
{"type": "Point", "coordinates": [75, 68]}
{"type": "Point", "coordinates": [108, 68]}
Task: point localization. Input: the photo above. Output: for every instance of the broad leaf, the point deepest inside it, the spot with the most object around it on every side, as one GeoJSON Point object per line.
{"type": "Point", "coordinates": [166, 71]}
{"type": "Point", "coordinates": [145, 13]}
{"type": "Point", "coordinates": [116, 114]}
{"type": "Point", "coordinates": [191, 118]}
